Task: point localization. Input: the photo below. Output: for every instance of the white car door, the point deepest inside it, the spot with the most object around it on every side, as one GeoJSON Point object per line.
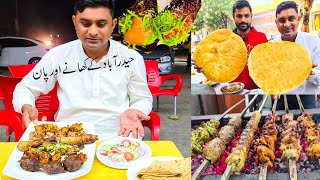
{"type": "Point", "coordinates": [18, 51]}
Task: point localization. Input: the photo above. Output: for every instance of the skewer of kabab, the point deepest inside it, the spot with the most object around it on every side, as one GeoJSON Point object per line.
{"type": "Point", "coordinates": [280, 145]}
{"type": "Point", "coordinates": [216, 147]}
{"type": "Point", "coordinates": [238, 156]}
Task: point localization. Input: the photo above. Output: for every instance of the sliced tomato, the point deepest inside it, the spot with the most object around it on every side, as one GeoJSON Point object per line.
{"type": "Point", "coordinates": [126, 143]}
{"type": "Point", "coordinates": [103, 152]}
{"type": "Point", "coordinates": [115, 150]}
{"type": "Point", "coordinates": [128, 156]}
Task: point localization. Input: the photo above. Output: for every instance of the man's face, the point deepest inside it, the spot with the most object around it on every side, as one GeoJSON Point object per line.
{"type": "Point", "coordinates": [287, 22]}
{"type": "Point", "coordinates": [242, 18]}
{"type": "Point", "coordinates": [94, 27]}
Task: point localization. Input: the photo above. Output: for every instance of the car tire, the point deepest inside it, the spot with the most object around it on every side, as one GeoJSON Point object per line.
{"type": "Point", "coordinates": [34, 60]}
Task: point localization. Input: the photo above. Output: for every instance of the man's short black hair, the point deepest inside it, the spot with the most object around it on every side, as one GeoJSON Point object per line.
{"type": "Point", "coordinates": [286, 5]}
{"type": "Point", "coordinates": [81, 5]}
{"type": "Point", "coordinates": [239, 4]}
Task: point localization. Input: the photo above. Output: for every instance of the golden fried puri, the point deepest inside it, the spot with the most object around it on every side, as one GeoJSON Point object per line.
{"type": "Point", "coordinates": [222, 55]}
{"type": "Point", "coordinates": [279, 67]}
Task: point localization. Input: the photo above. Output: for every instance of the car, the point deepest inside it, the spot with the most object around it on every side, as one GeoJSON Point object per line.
{"type": "Point", "coordinates": [19, 50]}
{"type": "Point", "coordinates": [164, 55]}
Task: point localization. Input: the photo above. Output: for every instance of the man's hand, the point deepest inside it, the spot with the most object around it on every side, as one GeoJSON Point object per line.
{"type": "Point", "coordinates": [130, 121]}
{"type": "Point", "coordinates": [313, 66]}
{"type": "Point", "coordinates": [311, 77]}
{"type": "Point", "coordinates": [29, 114]}
{"type": "Point", "coordinates": [275, 96]}
{"type": "Point", "coordinates": [198, 68]}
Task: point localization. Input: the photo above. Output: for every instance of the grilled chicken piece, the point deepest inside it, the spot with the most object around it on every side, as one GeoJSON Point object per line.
{"type": "Point", "coordinates": [311, 134]}
{"type": "Point", "coordinates": [226, 133]}
{"type": "Point", "coordinates": [265, 155]}
{"type": "Point", "coordinates": [313, 150]}
{"type": "Point", "coordinates": [293, 153]}
{"type": "Point", "coordinates": [286, 119]}
{"type": "Point", "coordinates": [84, 139]}
{"type": "Point", "coordinates": [305, 121]}
{"type": "Point", "coordinates": [291, 139]}
{"type": "Point", "coordinates": [214, 150]}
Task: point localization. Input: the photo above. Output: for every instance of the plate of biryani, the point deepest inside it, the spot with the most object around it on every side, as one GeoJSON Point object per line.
{"type": "Point", "coordinates": [53, 150]}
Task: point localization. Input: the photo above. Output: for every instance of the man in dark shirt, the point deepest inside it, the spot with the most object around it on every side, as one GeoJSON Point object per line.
{"type": "Point", "coordinates": [242, 15]}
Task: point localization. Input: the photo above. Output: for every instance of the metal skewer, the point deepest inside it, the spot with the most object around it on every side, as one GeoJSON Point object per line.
{"type": "Point", "coordinates": [286, 107]}
{"type": "Point", "coordinates": [205, 163]}
{"type": "Point", "coordinates": [263, 172]}
{"type": "Point", "coordinates": [274, 107]}
{"type": "Point", "coordinates": [300, 103]}
{"type": "Point", "coordinates": [292, 163]}
{"type": "Point", "coordinates": [293, 169]}
{"type": "Point", "coordinates": [227, 173]}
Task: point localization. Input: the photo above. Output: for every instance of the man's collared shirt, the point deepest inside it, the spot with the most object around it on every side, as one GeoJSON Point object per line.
{"type": "Point", "coordinates": [89, 91]}
{"type": "Point", "coordinates": [312, 44]}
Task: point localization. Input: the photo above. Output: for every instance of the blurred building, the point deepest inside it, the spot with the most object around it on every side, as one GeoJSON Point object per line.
{"type": "Point", "coordinates": [264, 16]}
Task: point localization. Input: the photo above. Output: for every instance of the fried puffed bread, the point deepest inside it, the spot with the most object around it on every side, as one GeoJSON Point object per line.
{"type": "Point", "coordinates": [279, 67]}
{"type": "Point", "coordinates": [222, 55]}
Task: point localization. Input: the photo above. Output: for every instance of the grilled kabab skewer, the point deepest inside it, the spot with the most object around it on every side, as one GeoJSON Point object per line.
{"type": "Point", "coordinates": [265, 145]}
{"type": "Point", "coordinates": [216, 147]}
{"type": "Point", "coordinates": [203, 133]}
{"type": "Point", "coordinates": [311, 134]}
{"type": "Point", "coordinates": [290, 142]}
{"type": "Point", "coordinates": [239, 153]}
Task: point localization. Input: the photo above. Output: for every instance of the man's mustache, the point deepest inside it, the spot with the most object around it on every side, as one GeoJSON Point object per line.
{"type": "Point", "coordinates": [243, 24]}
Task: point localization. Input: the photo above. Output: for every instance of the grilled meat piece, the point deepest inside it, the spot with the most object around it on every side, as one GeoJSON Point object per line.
{"type": "Point", "coordinates": [72, 164]}
{"type": "Point", "coordinates": [235, 122]}
{"type": "Point", "coordinates": [265, 155]}
{"type": "Point", "coordinates": [290, 142]}
{"type": "Point", "coordinates": [291, 139]}
{"type": "Point", "coordinates": [53, 168]}
{"type": "Point", "coordinates": [29, 164]}
{"type": "Point", "coordinates": [286, 119]}
{"type": "Point", "coordinates": [305, 121]}
{"type": "Point", "coordinates": [226, 133]}
{"type": "Point", "coordinates": [290, 152]}
{"type": "Point", "coordinates": [84, 139]}
{"type": "Point", "coordinates": [311, 134]}
{"type": "Point", "coordinates": [214, 150]}
{"type": "Point", "coordinates": [265, 146]}
{"type": "Point", "coordinates": [239, 153]}
{"type": "Point", "coordinates": [313, 150]}
{"type": "Point", "coordinates": [202, 134]}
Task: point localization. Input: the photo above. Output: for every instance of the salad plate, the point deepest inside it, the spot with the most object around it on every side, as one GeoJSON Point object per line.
{"type": "Point", "coordinates": [122, 152]}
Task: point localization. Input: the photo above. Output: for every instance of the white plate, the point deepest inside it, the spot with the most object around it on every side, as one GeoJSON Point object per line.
{"type": "Point", "coordinates": [143, 163]}
{"type": "Point", "coordinates": [144, 149]}
{"type": "Point", "coordinates": [14, 170]}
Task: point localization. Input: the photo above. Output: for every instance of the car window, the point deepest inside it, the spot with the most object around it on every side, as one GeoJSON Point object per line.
{"type": "Point", "coordinates": [10, 42]}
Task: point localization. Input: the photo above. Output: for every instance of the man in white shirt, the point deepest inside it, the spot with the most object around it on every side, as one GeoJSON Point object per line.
{"type": "Point", "coordinates": [99, 80]}
{"type": "Point", "coordinates": [287, 21]}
